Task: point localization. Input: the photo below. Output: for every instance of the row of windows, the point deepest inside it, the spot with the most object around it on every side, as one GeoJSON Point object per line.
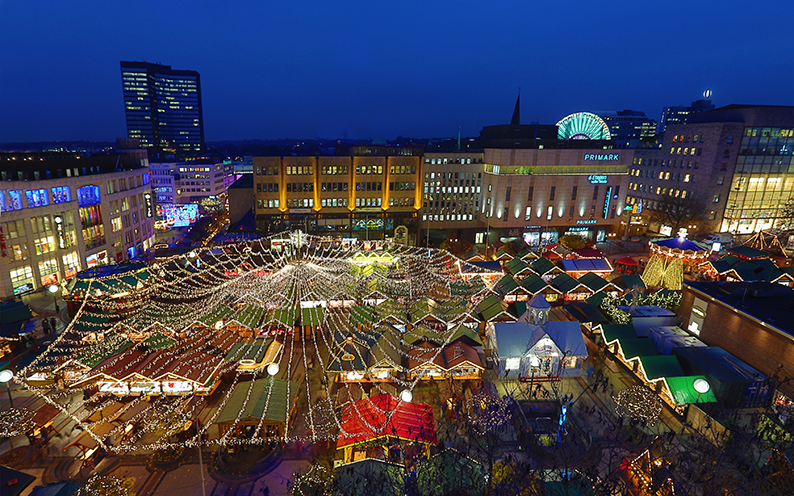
{"type": "Point", "coordinates": [680, 138]}
{"type": "Point", "coordinates": [377, 186]}
{"type": "Point", "coordinates": [402, 169]}
{"type": "Point", "coordinates": [685, 150]}
{"type": "Point", "coordinates": [300, 202]}
{"type": "Point", "coordinates": [369, 169]}
{"type": "Point", "coordinates": [299, 187]}
{"type": "Point", "coordinates": [267, 187]}
{"type": "Point", "coordinates": [457, 160]}
{"type": "Point", "coordinates": [267, 170]}
{"type": "Point", "coordinates": [688, 164]}
{"type": "Point", "coordinates": [333, 202]}
{"type": "Point", "coordinates": [333, 187]}
{"type": "Point", "coordinates": [332, 170]}
{"type": "Point", "coordinates": [402, 186]}
{"type": "Point", "coordinates": [438, 218]}
{"type": "Point", "coordinates": [270, 203]}
{"type": "Point", "coordinates": [369, 202]}
{"type": "Point", "coordinates": [300, 170]}
{"type": "Point", "coordinates": [401, 202]}
{"type": "Point", "coordinates": [453, 175]}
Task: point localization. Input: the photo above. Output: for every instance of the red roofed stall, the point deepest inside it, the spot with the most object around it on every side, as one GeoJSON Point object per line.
{"type": "Point", "coordinates": [387, 420]}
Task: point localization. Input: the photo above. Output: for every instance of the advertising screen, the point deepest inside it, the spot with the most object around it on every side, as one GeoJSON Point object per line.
{"type": "Point", "coordinates": [178, 215]}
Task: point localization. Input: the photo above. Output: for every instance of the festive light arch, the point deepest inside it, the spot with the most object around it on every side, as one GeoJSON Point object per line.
{"type": "Point", "coordinates": [194, 320]}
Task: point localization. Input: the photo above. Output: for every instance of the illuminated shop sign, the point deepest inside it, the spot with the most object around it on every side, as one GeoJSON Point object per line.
{"type": "Point", "coordinates": [587, 221]}
{"type": "Point", "coordinates": [597, 156]}
{"type": "Point", "coordinates": [147, 198]}
{"type": "Point", "coordinates": [699, 312]}
{"type": "Point", "coordinates": [597, 179]}
{"type": "Point", "coordinates": [578, 229]}
{"type": "Point", "coordinates": [59, 229]}
{"type": "Point", "coordinates": [607, 199]}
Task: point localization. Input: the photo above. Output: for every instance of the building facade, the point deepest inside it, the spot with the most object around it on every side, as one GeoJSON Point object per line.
{"type": "Point", "coordinates": [542, 194]}
{"type": "Point", "coordinates": [62, 213]}
{"type": "Point", "coordinates": [735, 161]}
{"type": "Point", "coordinates": [373, 192]}
{"type": "Point", "coordinates": [163, 107]}
{"type": "Point", "coordinates": [628, 127]}
{"type": "Point", "coordinates": [451, 195]}
{"type": "Point", "coordinates": [680, 114]}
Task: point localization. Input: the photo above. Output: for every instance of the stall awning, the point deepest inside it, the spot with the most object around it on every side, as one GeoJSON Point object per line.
{"type": "Point", "coordinates": [383, 416]}
{"type": "Point", "coordinates": [268, 399]}
{"type": "Point", "coordinates": [586, 265]}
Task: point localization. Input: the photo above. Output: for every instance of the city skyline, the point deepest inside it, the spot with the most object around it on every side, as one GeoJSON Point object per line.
{"type": "Point", "coordinates": [291, 71]}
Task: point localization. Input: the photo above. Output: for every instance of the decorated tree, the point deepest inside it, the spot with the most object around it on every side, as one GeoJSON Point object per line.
{"type": "Point", "coordinates": [108, 485]}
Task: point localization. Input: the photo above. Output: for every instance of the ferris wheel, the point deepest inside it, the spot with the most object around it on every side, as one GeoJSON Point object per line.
{"type": "Point", "coordinates": [583, 125]}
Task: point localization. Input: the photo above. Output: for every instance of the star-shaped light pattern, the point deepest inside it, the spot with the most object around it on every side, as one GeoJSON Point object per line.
{"type": "Point", "coordinates": [320, 308]}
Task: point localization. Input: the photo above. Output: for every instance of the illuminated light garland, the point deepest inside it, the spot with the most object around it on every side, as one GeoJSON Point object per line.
{"type": "Point", "coordinates": [487, 412]}
{"type": "Point", "coordinates": [640, 403]}
{"type": "Point", "coordinates": [184, 300]}
{"type": "Point", "coordinates": [15, 422]}
{"type": "Point", "coordinates": [107, 485]}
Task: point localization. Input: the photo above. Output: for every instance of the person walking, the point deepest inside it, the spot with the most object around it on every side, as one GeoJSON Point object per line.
{"type": "Point", "coordinates": [45, 326]}
{"type": "Point", "coordinates": [53, 324]}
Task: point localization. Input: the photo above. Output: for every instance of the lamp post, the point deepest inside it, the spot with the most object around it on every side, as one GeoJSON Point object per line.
{"type": "Point", "coordinates": [53, 289]}
{"type": "Point", "coordinates": [701, 386]}
{"type": "Point", "coordinates": [5, 376]}
{"type": "Point", "coordinates": [534, 362]}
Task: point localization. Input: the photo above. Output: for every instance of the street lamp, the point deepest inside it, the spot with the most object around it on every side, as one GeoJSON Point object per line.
{"type": "Point", "coordinates": [5, 376]}
{"type": "Point", "coordinates": [701, 386]}
{"type": "Point", "coordinates": [534, 362]}
{"type": "Point", "coordinates": [53, 289]}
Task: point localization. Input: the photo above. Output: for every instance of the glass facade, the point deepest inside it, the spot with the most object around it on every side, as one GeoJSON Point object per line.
{"type": "Point", "coordinates": [163, 106]}
{"type": "Point", "coordinates": [762, 182]}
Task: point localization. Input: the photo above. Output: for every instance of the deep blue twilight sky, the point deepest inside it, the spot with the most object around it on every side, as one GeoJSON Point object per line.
{"type": "Point", "coordinates": [274, 69]}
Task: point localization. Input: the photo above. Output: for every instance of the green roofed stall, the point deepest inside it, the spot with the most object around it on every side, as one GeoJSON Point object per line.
{"type": "Point", "coordinates": [683, 390]}
{"type": "Point", "coordinates": [659, 366]}
{"type": "Point", "coordinates": [611, 332]}
{"type": "Point", "coordinates": [362, 315]}
{"type": "Point", "coordinates": [312, 316]}
{"type": "Point", "coordinates": [270, 400]}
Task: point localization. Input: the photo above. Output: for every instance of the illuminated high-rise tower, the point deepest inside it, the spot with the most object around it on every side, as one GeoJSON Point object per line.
{"type": "Point", "coordinates": [163, 106]}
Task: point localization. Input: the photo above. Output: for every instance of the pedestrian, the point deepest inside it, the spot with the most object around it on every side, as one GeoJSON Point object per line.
{"type": "Point", "coordinates": [45, 326]}
{"type": "Point", "coordinates": [53, 324]}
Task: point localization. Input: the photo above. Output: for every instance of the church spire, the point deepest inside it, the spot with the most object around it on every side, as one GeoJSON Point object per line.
{"type": "Point", "coordinates": [516, 121]}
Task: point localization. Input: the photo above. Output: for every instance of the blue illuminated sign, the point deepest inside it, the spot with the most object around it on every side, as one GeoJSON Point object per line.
{"type": "Point", "coordinates": [597, 156]}
{"type": "Point", "coordinates": [639, 207]}
{"type": "Point", "coordinates": [587, 221]}
{"type": "Point", "coordinates": [597, 179]}
{"type": "Point", "coordinates": [607, 199]}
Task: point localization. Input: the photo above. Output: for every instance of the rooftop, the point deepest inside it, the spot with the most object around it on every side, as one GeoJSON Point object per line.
{"type": "Point", "coordinates": [767, 302]}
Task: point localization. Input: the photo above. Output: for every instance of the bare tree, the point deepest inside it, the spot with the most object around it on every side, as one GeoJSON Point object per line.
{"type": "Point", "coordinates": [679, 212]}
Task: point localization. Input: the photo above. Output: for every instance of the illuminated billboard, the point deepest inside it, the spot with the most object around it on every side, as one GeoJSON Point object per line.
{"type": "Point", "coordinates": [178, 215]}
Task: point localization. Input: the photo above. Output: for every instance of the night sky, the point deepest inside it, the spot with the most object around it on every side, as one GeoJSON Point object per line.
{"type": "Point", "coordinates": [385, 69]}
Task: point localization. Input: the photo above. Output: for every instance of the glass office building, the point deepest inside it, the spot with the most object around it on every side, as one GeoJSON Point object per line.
{"type": "Point", "coordinates": [163, 107]}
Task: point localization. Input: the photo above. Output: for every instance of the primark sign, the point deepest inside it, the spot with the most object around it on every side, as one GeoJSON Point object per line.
{"type": "Point", "coordinates": [598, 156]}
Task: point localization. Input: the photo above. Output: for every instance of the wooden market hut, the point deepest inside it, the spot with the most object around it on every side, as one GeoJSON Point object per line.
{"type": "Point", "coordinates": [510, 290]}
{"type": "Point", "coordinates": [373, 427]}
{"type": "Point", "coordinates": [545, 268]}
{"type": "Point", "coordinates": [572, 289]}
{"type": "Point", "coordinates": [271, 403]}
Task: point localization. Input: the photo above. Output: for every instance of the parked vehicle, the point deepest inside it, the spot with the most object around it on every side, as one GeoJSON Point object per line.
{"type": "Point", "coordinates": [725, 239]}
